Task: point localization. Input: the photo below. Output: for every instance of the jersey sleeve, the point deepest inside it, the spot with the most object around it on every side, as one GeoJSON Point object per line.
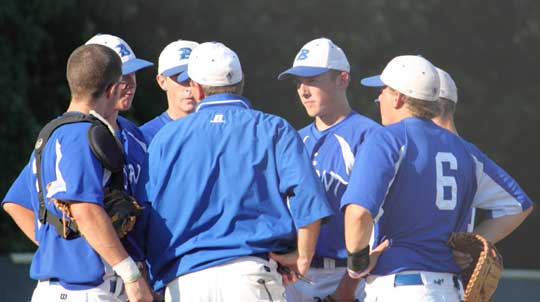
{"type": "Point", "coordinates": [19, 192]}
{"type": "Point", "coordinates": [497, 191]}
{"type": "Point", "coordinates": [76, 175]}
{"type": "Point", "coordinates": [375, 167]}
{"type": "Point", "coordinates": [297, 179]}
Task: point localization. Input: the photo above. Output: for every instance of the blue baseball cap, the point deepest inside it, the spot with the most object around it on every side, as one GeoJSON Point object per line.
{"type": "Point", "coordinates": [130, 63]}
{"type": "Point", "coordinates": [317, 57]}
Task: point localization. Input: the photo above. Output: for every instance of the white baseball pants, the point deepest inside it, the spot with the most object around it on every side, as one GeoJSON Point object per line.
{"type": "Point", "coordinates": [111, 290]}
{"type": "Point", "coordinates": [326, 281]}
{"type": "Point", "coordinates": [414, 286]}
{"type": "Point", "coordinates": [246, 279]}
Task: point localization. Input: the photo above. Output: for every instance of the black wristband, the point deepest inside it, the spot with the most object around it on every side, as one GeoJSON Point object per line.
{"type": "Point", "coordinates": [358, 261]}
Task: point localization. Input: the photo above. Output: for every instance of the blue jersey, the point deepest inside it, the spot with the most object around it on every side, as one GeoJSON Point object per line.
{"type": "Point", "coordinates": [23, 192]}
{"type": "Point", "coordinates": [418, 182]}
{"type": "Point", "coordinates": [135, 156]}
{"type": "Point", "coordinates": [232, 182]}
{"type": "Point", "coordinates": [19, 192]}
{"type": "Point", "coordinates": [332, 152]}
{"type": "Point", "coordinates": [70, 172]}
{"type": "Point", "coordinates": [150, 128]}
{"type": "Point", "coordinates": [497, 191]}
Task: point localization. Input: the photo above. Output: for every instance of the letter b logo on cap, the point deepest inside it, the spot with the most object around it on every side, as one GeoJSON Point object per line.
{"type": "Point", "coordinates": [184, 53]}
{"type": "Point", "coordinates": [123, 50]}
{"type": "Point", "coordinates": [302, 55]}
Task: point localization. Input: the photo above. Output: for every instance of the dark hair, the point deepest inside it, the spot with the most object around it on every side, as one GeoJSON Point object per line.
{"type": "Point", "coordinates": [91, 69]}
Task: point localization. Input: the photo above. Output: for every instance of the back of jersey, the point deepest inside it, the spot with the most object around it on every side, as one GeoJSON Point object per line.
{"type": "Point", "coordinates": [418, 181]}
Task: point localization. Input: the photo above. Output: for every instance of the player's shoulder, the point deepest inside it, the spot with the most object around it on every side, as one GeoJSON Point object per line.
{"type": "Point", "coordinates": [392, 136]}
{"type": "Point", "coordinates": [125, 123]}
{"type": "Point", "coordinates": [156, 122]}
{"type": "Point", "coordinates": [363, 121]}
{"type": "Point", "coordinates": [269, 119]}
{"type": "Point", "coordinates": [130, 127]}
{"type": "Point", "coordinates": [305, 131]}
{"type": "Point", "coordinates": [472, 148]}
{"type": "Point", "coordinates": [76, 132]}
{"type": "Point", "coordinates": [355, 127]}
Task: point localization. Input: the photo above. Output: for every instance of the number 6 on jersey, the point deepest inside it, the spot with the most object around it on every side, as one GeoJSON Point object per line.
{"type": "Point", "coordinates": [445, 181]}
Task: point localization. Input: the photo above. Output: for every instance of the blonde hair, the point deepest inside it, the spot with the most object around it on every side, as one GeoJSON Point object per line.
{"type": "Point", "coordinates": [448, 107]}
{"type": "Point", "coordinates": [422, 109]}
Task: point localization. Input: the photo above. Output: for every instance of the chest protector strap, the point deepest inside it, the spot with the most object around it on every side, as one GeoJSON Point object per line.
{"type": "Point", "coordinates": [104, 145]}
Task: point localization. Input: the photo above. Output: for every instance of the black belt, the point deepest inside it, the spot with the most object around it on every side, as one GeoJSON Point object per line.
{"type": "Point", "coordinates": [262, 255]}
{"type": "Point", "coordinates": [318, 262]}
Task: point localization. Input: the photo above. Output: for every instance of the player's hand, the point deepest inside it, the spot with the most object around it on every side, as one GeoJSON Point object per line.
{"type": "Point", "coordinates": [138, 291]}
{"type": "Point", "coordinates": [463, 260]}
{"type": "Point", "coordinates": [294, 263]}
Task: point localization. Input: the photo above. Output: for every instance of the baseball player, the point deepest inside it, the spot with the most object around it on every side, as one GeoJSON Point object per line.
{"type": "Point", "coordinates": [234, 184]}
{"type": "Point", "coordinates": [321, 71]}
{"type": "Point", "coordinates": [172, 61]}
{"type": "Point", "coordinates": [419, 193]}
{"type": "Point", "coordinates": [131, 138]}
{"type": "Point", "coordinates": [498, 193]}
{"type": "Point", "coordinates": [90, 267]}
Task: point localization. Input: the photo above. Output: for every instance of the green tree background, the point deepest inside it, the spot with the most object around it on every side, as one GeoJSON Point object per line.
{"type": "Point", "coordinates": [491, 49]}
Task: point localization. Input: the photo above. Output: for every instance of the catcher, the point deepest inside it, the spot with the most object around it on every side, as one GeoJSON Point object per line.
{"type": "Point", "coordinates": [79, 255]}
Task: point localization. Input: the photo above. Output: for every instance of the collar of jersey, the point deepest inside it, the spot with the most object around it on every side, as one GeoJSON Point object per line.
{"type": "Point", "coordinates": [223, 100]}
{"type": "Point", "coordinates": [318, 133]}
{"type": "Point", "coordinates": [165, 117]}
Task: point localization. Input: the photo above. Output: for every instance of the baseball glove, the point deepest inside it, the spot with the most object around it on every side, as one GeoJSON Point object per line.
{"type": "Point", "coordinates": [120, 206]}
{"type": "Point", "coordinates": [481, 278]}
{"type": "Point", "coordinates": [123, 210]}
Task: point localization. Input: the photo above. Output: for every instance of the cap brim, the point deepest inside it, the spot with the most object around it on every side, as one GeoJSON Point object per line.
{"type": "Point", "coordinates": [374, 81]}
{"type": "Point", "coordinates": [182, 77]}
{"type": "Point", "coordinates": [134, 65]}
{"type": "Point", "coordinates": [175, 70]}
{"type": "Point", "coordinates": [302, 71]}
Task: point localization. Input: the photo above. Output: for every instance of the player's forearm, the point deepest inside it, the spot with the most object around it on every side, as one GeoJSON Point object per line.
{"type": "Point", "coordinates": [95, 225]}
{"type": "Point", "coordinates": [23, 217]}
{"type": "Point", "coordinates": [358, 227]}
{"type": "Point", "coordinates": [307, 241]}
{"type": "Point", "coordinates": [494, 230]}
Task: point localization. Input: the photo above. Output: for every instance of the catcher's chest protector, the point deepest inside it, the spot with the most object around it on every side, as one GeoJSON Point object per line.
{"type": "Point", "coordinates": [105, 147]}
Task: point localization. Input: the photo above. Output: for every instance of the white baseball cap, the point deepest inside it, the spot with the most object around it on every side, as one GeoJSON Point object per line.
{"type": "Point", "coordinates": [129, 62]}
{"type": "Point", "coordinates": [411, 75]}
{"type": "Point", "coordinates": [448, 86]}
{"type": "Point", "coordinates": [174, 57]}
{"type": "Point", "coordinates": [213, 64]}
{"type": "Point", "coordinates": [316, 57]}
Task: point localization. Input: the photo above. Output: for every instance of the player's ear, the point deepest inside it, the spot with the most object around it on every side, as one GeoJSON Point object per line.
{"type": "Point", "coordinates": [196, 90]}
{"type": "Point", "coordinates": [162, 82]}
{"type": "Point", "coordinates": [399, 100]}
{"type": "Point", "coordinates": [112, 89]}
{"type": "Point", "coordinates": [343, 79]}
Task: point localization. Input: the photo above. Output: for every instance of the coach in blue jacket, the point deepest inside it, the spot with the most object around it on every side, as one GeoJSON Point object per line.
{"type": "Point", "coordinates": [228, 185]}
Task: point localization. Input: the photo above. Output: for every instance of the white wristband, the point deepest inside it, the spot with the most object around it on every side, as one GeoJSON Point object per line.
{"type": "Point", "coordinates": [127, 270]}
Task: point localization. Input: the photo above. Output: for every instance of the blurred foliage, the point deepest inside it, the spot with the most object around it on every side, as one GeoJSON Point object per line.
{"type": "Point", "coordinates": [491, 49]}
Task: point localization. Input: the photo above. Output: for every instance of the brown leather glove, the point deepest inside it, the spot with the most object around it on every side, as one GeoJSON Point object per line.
{"type": "Point", "coordinates": [481, 278]}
